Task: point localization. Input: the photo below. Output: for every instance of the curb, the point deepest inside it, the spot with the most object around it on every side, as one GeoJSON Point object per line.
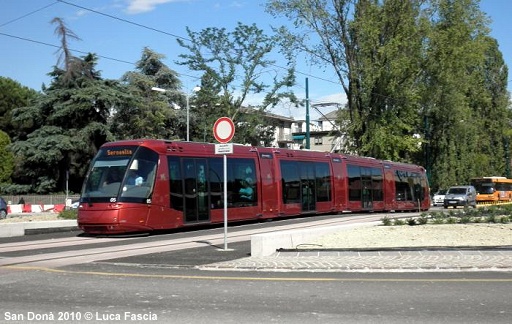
{"type": "Point", "coordinates": [37, 227]}
{"type": "Point", "coordinates": [267, 244]}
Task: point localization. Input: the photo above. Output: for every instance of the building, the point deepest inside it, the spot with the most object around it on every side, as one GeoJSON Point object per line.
{"type": "Point", "coordinates": [324, 134]}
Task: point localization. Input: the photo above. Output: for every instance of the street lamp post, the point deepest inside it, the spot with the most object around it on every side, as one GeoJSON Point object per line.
{"type": "Point", "coordinates": [188, 117]}
{"type": "Point", "coordinates": [188, 104]}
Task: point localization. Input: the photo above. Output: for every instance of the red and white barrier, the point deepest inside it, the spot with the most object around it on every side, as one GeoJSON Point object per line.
{"type": "Point", "coordinates": [19, 209]}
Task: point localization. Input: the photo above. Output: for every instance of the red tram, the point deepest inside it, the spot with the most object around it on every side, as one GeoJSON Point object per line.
{"type": "Point", "coordinates": [146, 185]}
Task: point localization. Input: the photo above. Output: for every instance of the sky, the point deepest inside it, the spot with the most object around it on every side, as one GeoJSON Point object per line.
{"type": "Point", "coordinates": [118, 30]}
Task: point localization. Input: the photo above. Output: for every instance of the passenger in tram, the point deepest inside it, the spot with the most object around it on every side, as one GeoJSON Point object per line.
{"type": "Point", "coordinates": [246, 191]}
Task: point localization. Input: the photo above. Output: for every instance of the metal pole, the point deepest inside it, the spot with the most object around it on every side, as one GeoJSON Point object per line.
{"type": "Point", "coordinates": [225, 202]}
{"type": "Point", "coordinates": [308, 141]}
{"type": "Point", "coordinates": [188, 117]}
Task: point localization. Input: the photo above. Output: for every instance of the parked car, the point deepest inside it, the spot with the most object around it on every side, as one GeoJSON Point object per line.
{"type": "Point", "coordinates": [3, 208]}
{"type": "Point", "coordinates": [438, 199]}
{"type": "Point", "coordinates": [460, 196]}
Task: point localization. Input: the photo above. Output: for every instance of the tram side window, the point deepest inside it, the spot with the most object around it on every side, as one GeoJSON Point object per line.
{"type": "Point", "coordinates": [242, 183]}
{"type": "Point", "coordinates": [354, 182]}
{"type": "Point", "coordinates": [176, 183]}
{"type": "Point", "coordinates": [290, 182]}
{"type": "Point", "coordinates": [323, 182]}
{"type": "Point", "coordinates": [377, 179]}
{"type": "Point", "coordinates": [408, 186]}
{"type": "Point", "coordinates": [216, 172]}
{"type": "Point", "coordinates": [402, 190]}
{"type": "Point", "coordinates": [419, 187]}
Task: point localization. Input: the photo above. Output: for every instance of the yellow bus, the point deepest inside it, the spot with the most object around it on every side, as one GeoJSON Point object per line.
{"type": "Point", "coordinates": [492, 189]}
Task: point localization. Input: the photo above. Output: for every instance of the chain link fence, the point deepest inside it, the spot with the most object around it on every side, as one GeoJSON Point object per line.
{"type": "Point", "coordinates": [39, 199]}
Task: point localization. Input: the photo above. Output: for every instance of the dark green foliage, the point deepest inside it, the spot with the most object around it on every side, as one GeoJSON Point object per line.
{"type": "Point", "coordinates": [425, 82]}
{"type": "Point", "coordinates": [151, 114]}
{"type": "Point", "coordinates": [65, 127]}
{"type": "Point", "coordinates": [12, 95]}
{"type": "Point", "coordinates": [411, 221]}
{"type": "Point", "coordinates": [7, 158]}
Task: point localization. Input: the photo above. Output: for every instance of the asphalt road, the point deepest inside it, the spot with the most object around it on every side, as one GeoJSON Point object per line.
{"type": "Point", "coordinates": [166, 287]}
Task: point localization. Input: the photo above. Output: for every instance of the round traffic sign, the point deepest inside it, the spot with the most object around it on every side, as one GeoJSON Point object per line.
{"type": "Point", "coordinates": [223, 129]}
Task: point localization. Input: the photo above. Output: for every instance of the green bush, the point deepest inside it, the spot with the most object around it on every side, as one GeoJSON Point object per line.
{"type": "Point", "coordinates": [438, 218]}
{"type": "Point", "coordinates": [386, 221]}
{"type": "Point", "coordinates": [466, 219]}
{"type": "Point", "coordinates": [410, 221]}
{"type": "Point", "coordinates": [69, 214]}
{"type": "Point", "coordinates": [504, 220]}
{"type": "Point", "coordinates": [493, 214]}
{"type": "Point", "coordinates": [399, 222]}
{"type": "Point", "coordinates": [491, 218]}
{"type": "Point", "coordinates": [452, 220]}
{"type": "Point", "coordinates": [423, 219]}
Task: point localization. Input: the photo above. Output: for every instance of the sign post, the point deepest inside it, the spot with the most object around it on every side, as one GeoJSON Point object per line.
{"type": "Point", "coordinates": [224, 130]}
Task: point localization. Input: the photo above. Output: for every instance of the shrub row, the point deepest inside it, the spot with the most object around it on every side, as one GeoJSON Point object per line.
{"type": "Point", "coordinates": [492, 214]}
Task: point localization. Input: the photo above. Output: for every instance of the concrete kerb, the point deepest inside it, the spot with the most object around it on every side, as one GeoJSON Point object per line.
{"type": "Point", "coordinates": [266, 244]}
{"type": "Point", "coordinates": [22, 228]}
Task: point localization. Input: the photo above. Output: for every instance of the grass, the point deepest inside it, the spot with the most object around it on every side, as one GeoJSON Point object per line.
{"type": "Point", "coordinates": [68, 214]}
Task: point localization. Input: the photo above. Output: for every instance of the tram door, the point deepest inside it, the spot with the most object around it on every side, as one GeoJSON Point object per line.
{"type": "Point", "coordinates": [307, 179]}
{"type": "Point", "coordinates": [196, 190]}
{"type": "Point", "coordinates": [366, 188]}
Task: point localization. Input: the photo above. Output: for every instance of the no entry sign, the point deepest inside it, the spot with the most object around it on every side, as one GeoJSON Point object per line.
{"type": "Point", "coordinates": [223, 129]}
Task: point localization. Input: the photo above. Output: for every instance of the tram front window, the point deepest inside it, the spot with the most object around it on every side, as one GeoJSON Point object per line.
{"type": "Point", "coordinates": [121, 178]}
{"type": "Point", "coordinates": [105, 178]}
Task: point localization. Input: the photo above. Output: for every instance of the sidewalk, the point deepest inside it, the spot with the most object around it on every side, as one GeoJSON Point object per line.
{"type": "Point", "coordinates": [406, 260]}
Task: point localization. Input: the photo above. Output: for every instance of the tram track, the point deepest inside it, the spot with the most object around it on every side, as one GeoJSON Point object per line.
{"type": "Point", "coordinates": [78, 249]}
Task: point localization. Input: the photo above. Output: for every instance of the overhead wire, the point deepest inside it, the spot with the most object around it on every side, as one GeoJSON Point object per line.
{"type": "Point", "coordinates": [177, 36]}
{"type": "Point", "coordinates": [128, 22]}
{"type": "Point", "coordinates": [28, 14]}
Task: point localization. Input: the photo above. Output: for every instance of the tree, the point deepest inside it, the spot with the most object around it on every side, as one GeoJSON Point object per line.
{"type": "Point", "coordinates": [237, 65]}
{"type": "Point", "coordinates": [151, 114]}
{"type": "Point", "coordinates": [417, 74]}
{"type": "Point", "coordinates": [206, 109]}
{"type": "Point", "coordinates": [375, 49]}
{"type": "Point", "coordinates": [489, 98]}
{"type": "Point", "coordinates": [455, 98]}
{"type": "Point", "coordinates": [7, 160]}
{"type": "Point", "coordinates": [66, 126]}
{"type": "Point", "coordinates": [13, 95]}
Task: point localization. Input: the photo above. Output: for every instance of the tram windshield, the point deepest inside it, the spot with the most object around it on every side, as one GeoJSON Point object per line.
{"type": "Point", "coordinates": [124, 173]}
